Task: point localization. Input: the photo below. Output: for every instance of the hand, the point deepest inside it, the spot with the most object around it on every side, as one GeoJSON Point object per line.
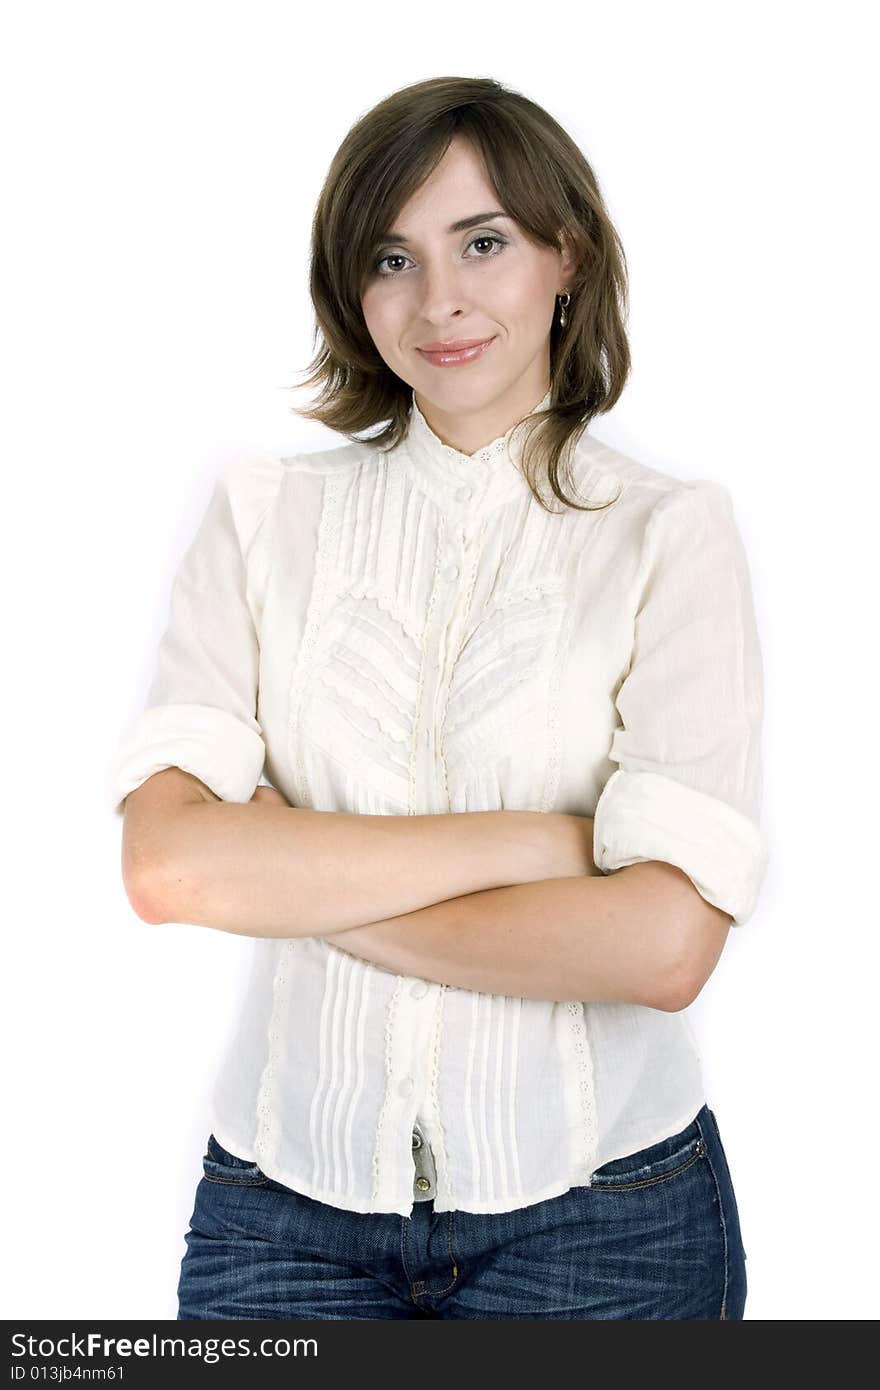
{"type": "Point", "coordinates": [269, 794]}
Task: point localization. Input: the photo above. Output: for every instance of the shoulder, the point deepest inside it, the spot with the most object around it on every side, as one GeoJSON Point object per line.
{"type": "Point", "coordinates": [336, 461]}
{"type": "Point", "coordinates": [647, 494]}
{"type": "Point", "coordinates": [252, 480]}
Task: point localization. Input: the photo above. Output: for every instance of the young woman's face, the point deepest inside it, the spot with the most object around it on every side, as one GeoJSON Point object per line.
{"type": "Point", "coordinates": [429, 284]}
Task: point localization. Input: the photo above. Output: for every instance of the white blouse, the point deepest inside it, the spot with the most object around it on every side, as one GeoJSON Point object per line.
{"type": "Point", "coordinates": [412, 633]}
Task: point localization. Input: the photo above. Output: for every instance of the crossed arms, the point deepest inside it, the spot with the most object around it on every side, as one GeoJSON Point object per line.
{"type": "Point", "coordinates": [504, 902]}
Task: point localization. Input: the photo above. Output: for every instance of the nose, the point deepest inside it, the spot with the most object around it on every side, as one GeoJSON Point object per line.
{"type": "Point", "coordinates": [443, 293]}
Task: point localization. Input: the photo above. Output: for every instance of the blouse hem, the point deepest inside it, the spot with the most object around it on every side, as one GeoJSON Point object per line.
{"type": "Point", "coordinates": [281, 1175]}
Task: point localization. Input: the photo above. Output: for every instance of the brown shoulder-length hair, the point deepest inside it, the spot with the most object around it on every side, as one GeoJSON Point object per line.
{"type": "Point", "coordinates": [543, 182]}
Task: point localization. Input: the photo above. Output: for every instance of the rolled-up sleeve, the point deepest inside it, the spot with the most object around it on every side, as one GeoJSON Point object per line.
{"type": "Point", "coordinates": [200, 710]}
{"type": "Point", "coordinates": [688, 786]}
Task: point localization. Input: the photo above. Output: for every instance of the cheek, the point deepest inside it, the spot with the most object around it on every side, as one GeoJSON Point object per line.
{"type": "Point", "coordinates": [537, 299]}
{"type": "Point", "coordinates": [526, 304]}
{"type": "Point", "coordinates": [383, 319]}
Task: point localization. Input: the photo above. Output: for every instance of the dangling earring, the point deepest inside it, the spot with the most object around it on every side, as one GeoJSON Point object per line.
{"type": "Point", "coordinates": [564, 301]}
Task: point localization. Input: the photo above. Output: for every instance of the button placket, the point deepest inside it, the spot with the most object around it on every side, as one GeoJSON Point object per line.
{"type": "Point", "coordinates": [449, 600]}
{"type": "Point", "coordinates": [425, 1177]}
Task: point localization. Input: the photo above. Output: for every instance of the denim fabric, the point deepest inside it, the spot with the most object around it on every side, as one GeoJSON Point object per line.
{"type": "Point", "coordinates": [657, 1235]}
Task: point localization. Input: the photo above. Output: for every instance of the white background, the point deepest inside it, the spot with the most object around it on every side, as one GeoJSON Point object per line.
{"type": "Point", "coordinates": [163, 162]}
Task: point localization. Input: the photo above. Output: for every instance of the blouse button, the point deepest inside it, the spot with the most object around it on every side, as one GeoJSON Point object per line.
{"type": "Point", "coordinates": [464, 494]}
{"type": "Point", "coordinates": [451, 572]}
{"type": "Point", "coordinates": [406, 1086]}
{"type": "Point", "coordinates": [419, 990]}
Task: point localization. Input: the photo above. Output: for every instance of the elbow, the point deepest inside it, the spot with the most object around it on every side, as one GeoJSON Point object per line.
{"type": "Point", "coordinates": [146, 877]}
{"type": "Point", "coordinates": [147, 901]}
{"type": "Point", "coordinates": [697, 940]}
{"type": "Point", "coordinates": [677, 990]}
{"type": "Point", "coordinates": [153, 829]}
{"type": "Point", "coordinates": [678, 977]}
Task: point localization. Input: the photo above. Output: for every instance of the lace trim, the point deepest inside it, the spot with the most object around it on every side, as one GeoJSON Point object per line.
{"type": "Point", "coordinates": [585, 1080]}
{"type": "Point", "coordinates": [390, 1016]}
{"type": "Point", "coordinates": [549, 595]}
{"type": "Point", "coordinates": [489, 451]}
{"type": "Point", "coordinates": [493, 450]}
{"type": "Point", "coordinates": [420, 687]}
{"type": "Point", "coordinates": [551, 779]}
{"type": "Point", "coordinates": [422, 431]}
{"type": "Point", "coordinates": [494, 694]}
{"type": "Point", "coordinates": [328, 532]}
{"type": "Point", "coordinates": [528, 594]}
{"type": "Point", "coordinates": [266, 1142]}
{"type": "Point", "coordinates": [492, 474]}
{"type": "Point", "coordinates": [439, 1145]}
{"type": "Point", "coordinates": [474, 561]}
{"type": "Point", "coordinates": [361, 699]}
{"type": "Point", "coordinates": [384, 601]}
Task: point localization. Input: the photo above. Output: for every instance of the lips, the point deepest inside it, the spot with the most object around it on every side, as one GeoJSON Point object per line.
{"type": "Point", "coordinates": [452, 354]}
{"type": "Point", "coordinates": [454, 345]}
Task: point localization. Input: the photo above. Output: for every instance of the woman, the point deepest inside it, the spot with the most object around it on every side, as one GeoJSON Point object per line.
{"type": "Point", "coordinates": [462, 1084]}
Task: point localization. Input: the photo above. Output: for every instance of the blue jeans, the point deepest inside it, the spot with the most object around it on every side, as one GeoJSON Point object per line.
{"type": "Point", "coordinates": [656, 1236]}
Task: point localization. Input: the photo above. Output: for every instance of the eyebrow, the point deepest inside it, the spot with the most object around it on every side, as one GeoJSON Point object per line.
{"type": "Point", "coordinates": [460, 226]}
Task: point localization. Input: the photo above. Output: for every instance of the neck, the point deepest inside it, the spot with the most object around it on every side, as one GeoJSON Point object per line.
{"type": "Point", "coordinates": [469, 432]}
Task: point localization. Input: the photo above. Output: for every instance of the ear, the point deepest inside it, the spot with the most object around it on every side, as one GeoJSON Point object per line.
{"type": "Point", "coordinates": [568, 263]}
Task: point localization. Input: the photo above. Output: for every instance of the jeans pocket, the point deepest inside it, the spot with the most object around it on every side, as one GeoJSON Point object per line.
{"type": "Point", "coordinates": [723, 1160]}
{"type": "Point", "coordinates": [657, 1163]}
{"type": "Point", "coordinates": [219, 1165]}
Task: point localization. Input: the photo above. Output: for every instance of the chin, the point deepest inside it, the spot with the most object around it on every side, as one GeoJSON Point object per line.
{"type": "Point", "coordinates": [460, 384]}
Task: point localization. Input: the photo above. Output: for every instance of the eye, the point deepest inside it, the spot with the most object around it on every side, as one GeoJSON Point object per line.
{"type": "Point", "coordinates": [485, 238]}
{"type": "Point", "coordinates": [392, 256]}
{"type": "Point", "coordinates": [492, 240]}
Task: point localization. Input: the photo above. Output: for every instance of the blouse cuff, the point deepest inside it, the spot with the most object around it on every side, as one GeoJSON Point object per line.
{"type": "Point", "coordinates": [208, 742]}
{"type": "Point", "coordinates": [645, 816]}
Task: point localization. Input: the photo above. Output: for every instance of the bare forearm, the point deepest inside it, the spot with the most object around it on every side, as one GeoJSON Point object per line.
{"type": "Point", "coordinates": [595, 938]}
{"type": "Point", "coordinates": [273, 870]}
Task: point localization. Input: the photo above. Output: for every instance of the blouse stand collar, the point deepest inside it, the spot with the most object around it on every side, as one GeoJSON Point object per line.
{"type": "Point", "coordinates": [463, 482]}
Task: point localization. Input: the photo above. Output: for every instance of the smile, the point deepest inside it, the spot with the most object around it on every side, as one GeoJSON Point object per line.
{"type": "Point", "coordinates": [447, 357]}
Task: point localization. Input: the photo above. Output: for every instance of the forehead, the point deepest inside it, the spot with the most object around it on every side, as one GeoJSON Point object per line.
{"type": "Point", "coordinates": [451, 189]}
